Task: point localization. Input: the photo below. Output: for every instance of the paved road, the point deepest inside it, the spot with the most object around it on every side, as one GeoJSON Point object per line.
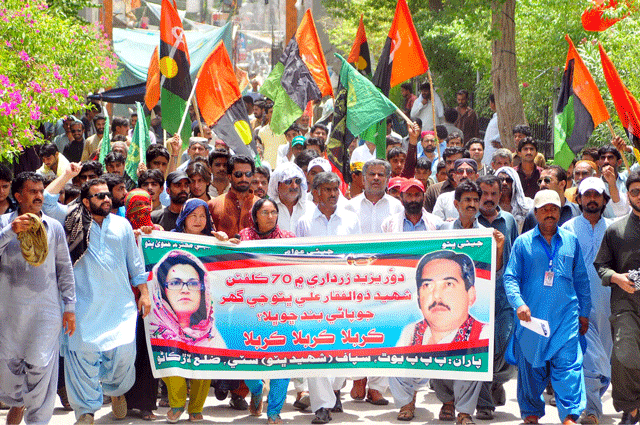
{"type": "Point", "coordinates": [218, 412]}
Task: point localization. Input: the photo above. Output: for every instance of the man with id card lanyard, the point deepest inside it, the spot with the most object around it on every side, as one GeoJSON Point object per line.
{"type": "Point", "coordinates": [555, 291]}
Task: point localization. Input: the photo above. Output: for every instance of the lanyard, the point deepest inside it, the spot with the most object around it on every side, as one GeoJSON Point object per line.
{"type": "Point", "coordinates": [551, 255]}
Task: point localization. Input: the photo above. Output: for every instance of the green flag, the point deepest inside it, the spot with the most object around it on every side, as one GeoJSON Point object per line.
{"type": "Point", "coordinates": [367, 107]}
{"type": "Point", "coordinates": [140, 141]}
{"type": "Point", "coordinates": [105, 146]}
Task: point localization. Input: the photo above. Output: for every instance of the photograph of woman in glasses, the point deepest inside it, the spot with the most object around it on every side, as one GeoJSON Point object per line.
{"type": "Point", "coordinates": [183, 308]}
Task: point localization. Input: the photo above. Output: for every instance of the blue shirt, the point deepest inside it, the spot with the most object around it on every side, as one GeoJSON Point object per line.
{"type": "Point", "coordinates": [408, 226]}
{"type": "Point", "coordinates": [106, 311]}
{"type": "Point", "coordinates": [567, 212]}
{"type": "Point", "coordinates": [506, 224]}
{"type": "Point", "coordinates": [559, 304]}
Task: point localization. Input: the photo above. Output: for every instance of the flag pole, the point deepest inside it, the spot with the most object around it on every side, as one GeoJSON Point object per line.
{"type": "Point", "coordinates": [404, 116]}
{"type": "Point", "coordinates": [186, 109]}
{"type": "Point", "coordinates": [433, 112]}
{"type": "Point", "coordinates": [195, 106]}
{"type": "Point", "coordinates": [613, 134]}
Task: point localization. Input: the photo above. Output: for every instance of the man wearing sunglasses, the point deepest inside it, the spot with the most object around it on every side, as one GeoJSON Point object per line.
{"type": "Point", "coordinates": [231, 211]}
{"type": "Point", "coordinates": [288, 188]}
{"type": "Point", "coordinates": [463, 169]}
{"type": "Point", "coordinates": [99, 357]}
{"type": "Point", "coordinates": [554, 178]}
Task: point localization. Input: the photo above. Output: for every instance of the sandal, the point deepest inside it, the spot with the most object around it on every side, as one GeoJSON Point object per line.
{"type": "Point", "coordinates": [196, 417]}
{"type": "Point", "coordinates": [276, 419]}
{"type": "Point", "coordinates": [173, 415]}
{"type": "Point", "coordinates": [255, 407]}
{"type": "Point", "coordinates": [447, 412]}
{"type": "Point", "coordinates": [407, 412]}
{"type": "Point", "coordinates": [147, 415]}
{"type": "Point", "coordinates": [531, 419]}
{"type": "Point", "coordinates": [464, 419]}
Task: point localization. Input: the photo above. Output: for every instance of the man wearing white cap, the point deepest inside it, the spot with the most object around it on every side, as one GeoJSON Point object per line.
{"type": "Point", "coordinates": [553, 299]}
{"type": "Point", "coordinates": [589, 228]}
{"type": "Point", "coordinates": [322, 165]}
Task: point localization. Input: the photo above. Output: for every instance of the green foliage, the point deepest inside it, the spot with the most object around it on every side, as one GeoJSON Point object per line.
{"type": "Point", "coordinates": [49, 63]}
{"type": "Point", "coordinates": [68, 8]}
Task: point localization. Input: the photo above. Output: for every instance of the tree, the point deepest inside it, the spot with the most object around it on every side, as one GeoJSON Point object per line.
{"type": "Point", "coordinates": [49, 63]}
{"type": "Point", "coordinates": [504, 70]}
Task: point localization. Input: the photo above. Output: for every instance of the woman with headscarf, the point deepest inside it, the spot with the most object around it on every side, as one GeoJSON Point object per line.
{"type": "Point", "coordinates": [143, 394]}
{"type": "Point", "coordinates": [512, 197]}
{"type": "Point", "coordinates": [265, 219]}
{"type": "Point", "coordinates": [184, 309]}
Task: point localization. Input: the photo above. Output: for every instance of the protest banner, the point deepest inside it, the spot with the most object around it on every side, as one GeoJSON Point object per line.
{"type": "Point", "coordinates": [331, 306]}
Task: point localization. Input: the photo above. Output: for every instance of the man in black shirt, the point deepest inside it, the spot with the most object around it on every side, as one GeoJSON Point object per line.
{"type": "Point", "coordinates": [178, 190]}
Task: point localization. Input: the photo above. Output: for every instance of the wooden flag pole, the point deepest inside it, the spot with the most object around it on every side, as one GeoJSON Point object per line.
{"type": "Point", "coordinates": [405, 117]}
{"type": "Point", "coordinates": [613, 134]}
{"type": "Point", "coordinates": [186, 109]}
{"type": "Point", "coordinates": [433, 113]}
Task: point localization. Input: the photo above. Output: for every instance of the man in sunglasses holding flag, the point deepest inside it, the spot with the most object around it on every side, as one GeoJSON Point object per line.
{"type": "Point", "coordinates": [99, 357]}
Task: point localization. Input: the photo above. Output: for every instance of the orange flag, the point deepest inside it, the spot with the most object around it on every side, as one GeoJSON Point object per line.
{"type": "Point", "coordinates": [627, 106]}
{"type": "Point", "coordinates": [152, 96]}
{"type": "Point", "coordinates": [220, 101]}
{"type": "Point", "coordinates": [312, 54]}
{"type": "Point", "coordinates": [402, 57]}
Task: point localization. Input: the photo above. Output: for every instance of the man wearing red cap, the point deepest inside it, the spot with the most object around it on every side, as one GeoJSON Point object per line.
{"type": "Point", "coordinates": [414, 217]}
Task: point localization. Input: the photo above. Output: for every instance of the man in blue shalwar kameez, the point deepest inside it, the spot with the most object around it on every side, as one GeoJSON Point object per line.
{"type": "Point", "coordinates": [546, 279]}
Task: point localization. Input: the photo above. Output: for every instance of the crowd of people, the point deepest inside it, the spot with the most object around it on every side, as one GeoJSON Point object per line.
{"type": "Point", "coordinates": [565, 242]}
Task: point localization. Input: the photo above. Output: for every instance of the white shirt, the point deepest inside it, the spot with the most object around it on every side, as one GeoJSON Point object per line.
{"type": "Point", "coordinates": [395, 223]}
{"type": "Point", "coordinates": [425, 113]}
{"type": "Point", "coordinates": [362, 154]}
{"type": "Point", "coordinates": [444, 207]}
{"type": "Point", "coordinates": [372, 215]}
{"type": "Point", "coordinates": [281, 158]}
{"type": "Point", "coordinates": [314, 223]}
{"type": "Point", "coordinates": [492, 133]}
{"type": "Point", "coordinates": [288, 221]}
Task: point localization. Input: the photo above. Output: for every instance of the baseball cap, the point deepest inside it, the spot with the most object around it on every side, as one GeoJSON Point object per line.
{"type": "Point", "coordinates": [298, 140]}
{"type": "Point", "coordinates": [591, 183]}
{"type": "Point", "coordinates": [357, 166]}
{"type": "Point", "coordinates": [321, 162]}
{"type": "Point", "coordinates": [176, 176]}
{"type": "Point", "coordinates": [546, 196]}
{"type": "Point", "coordinates": [409, 183]}
{"type": "Point", "coordinates": [396, 182]}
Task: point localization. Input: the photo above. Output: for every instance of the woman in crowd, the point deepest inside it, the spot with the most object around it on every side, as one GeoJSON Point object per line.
{"type": "Point", "coordinates": [265, 219]}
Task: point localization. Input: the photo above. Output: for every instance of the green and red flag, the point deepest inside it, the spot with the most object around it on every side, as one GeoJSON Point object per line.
{"type": "Point", "coordinates": [359, 55]}
{"type": "Point", "coordinates": [220, 102]}
{"type": "Point", "coordinates": [299, 76]}
{"type": "Point", "coordinates": [105, 145]}
{"type": "Point", "coordinates": [174, 65]}
{"type": "Point", "coordinates": [402, 58]}
{"type": "Point", "coordinates": [627, 106]}
{"type": "Point", "coordinates": [579, 110]}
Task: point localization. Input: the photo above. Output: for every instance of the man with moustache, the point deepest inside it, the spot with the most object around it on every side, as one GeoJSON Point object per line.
{"type": "Point", "coordinates": [463, 395]}
{"type": "Point", "coordinates": [373, 206]}
{"type": "Point", "coordinates": [555, 290]}
{"type": "Point", "coordinates": [528, 171]}
{"type": "Point", "coordinates": [31, 317]}
{"type": "Point", "coordinates": [100, 356]}
{"type": "Point", "coordinates": [231, 211]}
{"type": "Point", "coordinates": [589, 228]}
{"type": "Point", "coordinates": [118, 190]}
{"type": "Point", "coordinates": [490, 214]}
{"type": "Point", "coordinates": [178, 190]}
{"type": "Point", "coordinates": [617, 256]}
{"type": "Point", "coordinates": [446, 291]}
{"type": "Point", "coordinates": [288, 189]}
{"type": "Point", "coordinates": [463, 169]}
{"type": "Point", "coordinates": [450, 156]}
{"type": "Point", "coordinates": [326, 219]}
{"type": "Point", "coordinates": [92, 142]}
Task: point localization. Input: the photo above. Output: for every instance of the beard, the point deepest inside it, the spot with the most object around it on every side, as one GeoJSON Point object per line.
{"type": "Point", "coordinates": [180, 198]}
{"type": "Point", "coordinates": [635, 206]}
{"type": "Point", "coordinates": [103, 209]}
{"type": "Point", "coordinates": [241, 187]}
{"type": "Point", "coordinates": [117, 203]}
{"type": "Point", "coordinates": [430, 149]}
{"type": "Point", "coordinates": [413, 208]}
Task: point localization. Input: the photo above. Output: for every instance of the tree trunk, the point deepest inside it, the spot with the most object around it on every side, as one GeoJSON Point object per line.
{"type": "Point", "coordinates": [504, 71]}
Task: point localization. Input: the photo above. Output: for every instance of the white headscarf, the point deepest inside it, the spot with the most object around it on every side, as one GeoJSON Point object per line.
{"type": "Point", "coordinates": [283, 172]}
{"type": "Point", "coordinates": [520, 204]}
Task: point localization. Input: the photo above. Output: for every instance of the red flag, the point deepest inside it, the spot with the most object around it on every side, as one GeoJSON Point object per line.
{"type": "Point", "coordinates": [627, 106]}
{"type": "Point", "coordinates": [593, 18]}
{"type": "Point", "coordinates": [359, 56]}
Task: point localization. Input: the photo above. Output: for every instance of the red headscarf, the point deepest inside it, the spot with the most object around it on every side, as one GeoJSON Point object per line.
{"type": "Point", "coordinates": [140, 215]}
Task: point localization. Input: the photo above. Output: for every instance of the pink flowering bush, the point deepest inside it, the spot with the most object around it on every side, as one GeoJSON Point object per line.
{"type": "Point", "coordinates": [48, 63]}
